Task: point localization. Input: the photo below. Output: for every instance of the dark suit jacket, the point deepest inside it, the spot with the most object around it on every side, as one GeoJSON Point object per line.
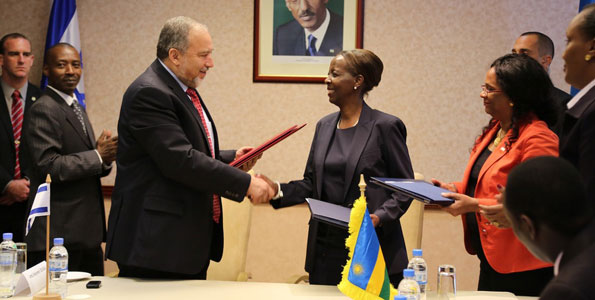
{"type": "Point", "coordinates": [378, 149]}
{"type": "Point", "coordinates": [12, 218]}
{"type": "Point", "coordinates": [560, 98]}
{"type": "Point", "coordinates": [575, 278]}
{"type": "Point", "coordinates": [57, 145]}
{"type": "Point", "coordinates": [290, 39]}
{"type": "Point", "coordinates": [577, 139]}
{"type": "Point", "coordinates": [162, 207]}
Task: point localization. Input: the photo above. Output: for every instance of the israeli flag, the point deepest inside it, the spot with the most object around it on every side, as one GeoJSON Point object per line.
{"type": "Point", "coordinates": [64, 28]}
{"type": "Point", "coordinates": [41, 205]}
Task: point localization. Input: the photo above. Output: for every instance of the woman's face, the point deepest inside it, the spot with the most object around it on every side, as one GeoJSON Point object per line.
{"type": "Point", "coordinates": [577, 46]}
{"type": "Point", "coordinates": [339, 82]}
{"type": "Point", "coordinates": [495, 101]}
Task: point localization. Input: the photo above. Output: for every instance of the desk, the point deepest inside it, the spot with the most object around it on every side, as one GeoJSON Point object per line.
{"type": "Point", "coordinates": [132, 289]}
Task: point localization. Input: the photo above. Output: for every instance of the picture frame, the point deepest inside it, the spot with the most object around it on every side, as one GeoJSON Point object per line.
{"type": "Point", "coordinates": [279, 42]}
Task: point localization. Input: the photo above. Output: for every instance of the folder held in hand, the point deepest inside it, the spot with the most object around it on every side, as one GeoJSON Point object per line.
{"type": "Point", "coordinates": [266, 145]}
{"type": "Point", "coordinates": [418, 189]}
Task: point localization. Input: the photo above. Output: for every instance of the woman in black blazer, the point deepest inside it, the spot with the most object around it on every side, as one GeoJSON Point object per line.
{"type": "Point", "coordinates": [355, 140]}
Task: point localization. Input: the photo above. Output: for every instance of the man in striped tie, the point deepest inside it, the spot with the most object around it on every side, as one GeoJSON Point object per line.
{"type": "Point", "coordinates": [18, 95]}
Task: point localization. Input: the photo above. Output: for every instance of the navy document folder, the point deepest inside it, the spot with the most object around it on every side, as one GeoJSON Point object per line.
{"type": "Point", "coordinates": [418, 189]}
{"type": "Point", "coordinates": [333, 214]}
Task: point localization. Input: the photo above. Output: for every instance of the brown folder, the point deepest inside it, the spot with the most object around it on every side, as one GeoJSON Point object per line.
{"type": "Point", "coordinates": [266, 145]}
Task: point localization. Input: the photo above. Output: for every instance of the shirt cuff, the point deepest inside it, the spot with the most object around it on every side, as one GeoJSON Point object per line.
{"type": "Point", "coordinates": [279, 191]}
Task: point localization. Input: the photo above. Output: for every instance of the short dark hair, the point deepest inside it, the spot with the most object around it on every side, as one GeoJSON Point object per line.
{"type": "Point", "coordinates": [549, 190]}
{"type": "Point", "coordinates": [174, 34]}
{"type": "Point", "coordinates": [366, 63]}
{"type": "Point", "coordinates": [545, 44]}
{"type": "Point", "coordinates": [14, 35]}
{"type": "Point", "coordinates": [587, 26]}
{"type": "Point", "coordinates": [50, 50]}
{"type": "Point", "coordinates": [529, 87]}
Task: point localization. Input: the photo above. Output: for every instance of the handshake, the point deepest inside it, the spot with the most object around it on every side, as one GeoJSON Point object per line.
{"type": "Point", "coordinates": [261, 189]}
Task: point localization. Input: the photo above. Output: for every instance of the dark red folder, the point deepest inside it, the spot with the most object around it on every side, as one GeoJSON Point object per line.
{"type": "Point", "coordinates": [266, 145]}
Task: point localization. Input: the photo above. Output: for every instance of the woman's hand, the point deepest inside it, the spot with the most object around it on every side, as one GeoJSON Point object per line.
{"type": "Point", "coordinates": [463, 204]}
{"type": "Point", "coordinates": [375, 219]}
{"type": "Point", "coordinates": [448, 186]}
{"type": "Point", "coordinates": [495, 214]}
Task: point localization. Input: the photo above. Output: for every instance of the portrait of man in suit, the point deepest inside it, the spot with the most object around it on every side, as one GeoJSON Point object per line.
{"type": "Point", "coordinates": [18, 94]}
{"type": "Point", "coordinates": [314, 30]}
{"type": "Point", "coordinates": [60, 142]}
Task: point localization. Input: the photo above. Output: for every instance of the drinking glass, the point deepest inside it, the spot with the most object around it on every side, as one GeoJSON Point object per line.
{"type": "Point", "coordinates": [447, 282]}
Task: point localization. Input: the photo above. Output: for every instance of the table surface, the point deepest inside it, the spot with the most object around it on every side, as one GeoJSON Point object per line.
{"type": "Point", "coordinates": [130, 289]}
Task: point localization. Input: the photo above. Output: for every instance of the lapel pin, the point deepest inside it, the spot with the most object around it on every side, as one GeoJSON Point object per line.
{"type": "Point", "coordinates": [33, 98]}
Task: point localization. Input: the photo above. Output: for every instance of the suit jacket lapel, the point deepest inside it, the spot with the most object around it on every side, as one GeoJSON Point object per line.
{"type": "Point", "coordinates": [360, 139]}
{"type": "Point", "coordinates": [300, 43]}
{"type": "Point", "coordinates": [71, 116]}
{"type": "Point", "coordinates": [498, 153]}
{"type": "Point", "coordinates": [183, 97]}
{"type": "Point", "coordinates": [323, 141]}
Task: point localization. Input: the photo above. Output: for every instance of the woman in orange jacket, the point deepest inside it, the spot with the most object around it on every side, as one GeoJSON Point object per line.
{"type": "Point", "coordinates": [516, 93]}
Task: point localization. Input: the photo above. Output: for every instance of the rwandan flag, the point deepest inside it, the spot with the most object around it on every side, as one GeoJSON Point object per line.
{"type": "Point", "coordinates": [365, 275]}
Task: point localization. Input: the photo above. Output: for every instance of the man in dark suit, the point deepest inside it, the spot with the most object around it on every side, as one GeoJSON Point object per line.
{"type": "Point", "coordinates": [541, 48]}
{"type": "Point", "coordinates": [17, 96]}
{"type": "Point", "coordinates": [60, 142]}
{"type": "Point", "coordinates": [316, 31]}
{"type": "Point", "coordinates": [545, 201]}
{"type": "Point", "coordinates": [165, 219]}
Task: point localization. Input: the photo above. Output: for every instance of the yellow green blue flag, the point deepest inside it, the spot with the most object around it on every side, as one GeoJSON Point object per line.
{"type": "Point", "coordinates": [365, 275]}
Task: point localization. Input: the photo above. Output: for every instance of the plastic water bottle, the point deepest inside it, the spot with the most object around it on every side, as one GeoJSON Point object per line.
{"type": "Point", "coordinates": [8, 265]}
{"type": "Point", "coordinates": [400, 297]}
{"type": "Point", "coordinates": [408, 287]}
{"type": "Point", "coordinates": [418, 264]}
{"type": "Point", "coordinates": [58, 268]}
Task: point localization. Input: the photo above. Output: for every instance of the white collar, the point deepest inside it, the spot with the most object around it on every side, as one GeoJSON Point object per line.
{"type": "Point", "coordinates": [320, 32]}
{"type": "Point", "coordinates": [557, 264]}
{"type": "Point", "coordinates": [580, 94]}
{"type": "Point", "coordinates": [8, 90]}
{"type": "Point", "coordinates": [67, 98]}
{"type": "Point", "coordinates": [183, 86]}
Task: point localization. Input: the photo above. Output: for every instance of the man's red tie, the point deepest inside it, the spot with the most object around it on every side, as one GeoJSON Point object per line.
{"type": "Point", "coordinates": [196, 101]}
{"type": "Point", "coordinates": [17, 124]}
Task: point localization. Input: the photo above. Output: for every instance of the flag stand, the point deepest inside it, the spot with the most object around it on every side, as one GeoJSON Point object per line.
{"type": "Point", "coordinates": [47, 295]}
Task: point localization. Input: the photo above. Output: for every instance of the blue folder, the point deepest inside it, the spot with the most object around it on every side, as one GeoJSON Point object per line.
{"type": "Point", "coordinates": [329, 213]}
{"type": "Point", "coordinates": [418, 189]}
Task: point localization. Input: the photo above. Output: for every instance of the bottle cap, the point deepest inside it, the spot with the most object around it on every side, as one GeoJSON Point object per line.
{"type": "Point", "coordinates": [408, 273]}
{"type": "Point", "coordinates": [58, 241]}
{"type": "Point", "coordinates": [417, 252]}
{"type": "Point", "coordinates": [7, 236]}
{"type": "Point", "coordinates": [400, 297]}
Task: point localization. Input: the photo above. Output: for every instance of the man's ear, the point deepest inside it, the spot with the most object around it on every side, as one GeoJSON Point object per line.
{"type": "Point", "coordinates": [174, 56]}
{"type": "Point", "coordinates": [546, 60]}
{"type": "Point", "coordinates": [46, 70]}
{"type": "Point", "coordinates": [527, 225]}
{"type": "Point", "coordinates": [592, 48]}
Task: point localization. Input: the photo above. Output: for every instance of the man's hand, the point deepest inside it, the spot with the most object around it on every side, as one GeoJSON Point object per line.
{"type": "Point", "coordinates": [107, 146]}
{"type": "Point", "coordinates": [259, 191]}
{"type": "Point", "coordinates": [249, 164]}
{"type": "Point", "coordinates": [17, 190]}
{"type": "Point", "coordinates": [272, 184]}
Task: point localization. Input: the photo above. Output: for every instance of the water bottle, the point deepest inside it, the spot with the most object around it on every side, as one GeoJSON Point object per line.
{"type": "Point", "coordinates": [8, 265]}
{"type": "Point", "coordinates": [400, 297]}
{"type": "Point", "coordinates": [58, 268]}
{"type": "Point", "coordinates": [418, 264]}
{"type": "Point", "coordinates": [408, 287]}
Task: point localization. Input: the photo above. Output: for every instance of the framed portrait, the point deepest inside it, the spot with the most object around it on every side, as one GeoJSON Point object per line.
{"type": "Point", "coordinates": [295, 40]}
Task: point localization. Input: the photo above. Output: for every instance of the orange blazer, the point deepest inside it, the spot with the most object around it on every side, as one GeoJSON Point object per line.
{"type": "Point", "coordinates": [504, 252]}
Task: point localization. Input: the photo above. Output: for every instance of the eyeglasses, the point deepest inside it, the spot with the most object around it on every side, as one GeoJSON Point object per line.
{"type": "Point", "coordinates": [487, 91]}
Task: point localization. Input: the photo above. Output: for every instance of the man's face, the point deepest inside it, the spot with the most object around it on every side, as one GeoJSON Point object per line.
{"type": "Point", "coordinates": [17, 58]}
{"type": "Point", "coordinates": [528, 45]}
{"type": "Point", "coordinates": [309, 13]}
{"type": "Point", "coordinates": [63, 68]}
{"type": "Point", "coordinates": [197, 60]}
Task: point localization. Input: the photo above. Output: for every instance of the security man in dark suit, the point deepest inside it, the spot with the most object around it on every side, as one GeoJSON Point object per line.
{"type": "Point", "coordinates": [17, 96]}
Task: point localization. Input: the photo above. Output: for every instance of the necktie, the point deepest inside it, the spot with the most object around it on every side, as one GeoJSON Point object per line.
{"type": "Point", "coordinates": [16, 117]}
{"type": "Point", "coordinates": [196, 101]}
{"type": "Point", "coordinates": [78, 111]}
{"type": "Point", "coordinates": [311, 45]}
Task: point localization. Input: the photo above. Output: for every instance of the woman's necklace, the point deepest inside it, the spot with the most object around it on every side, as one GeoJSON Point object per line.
{"type": "Point", "coordinates": [339, 123]}
{"type": "Point", "coordinates": [499, 136]}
